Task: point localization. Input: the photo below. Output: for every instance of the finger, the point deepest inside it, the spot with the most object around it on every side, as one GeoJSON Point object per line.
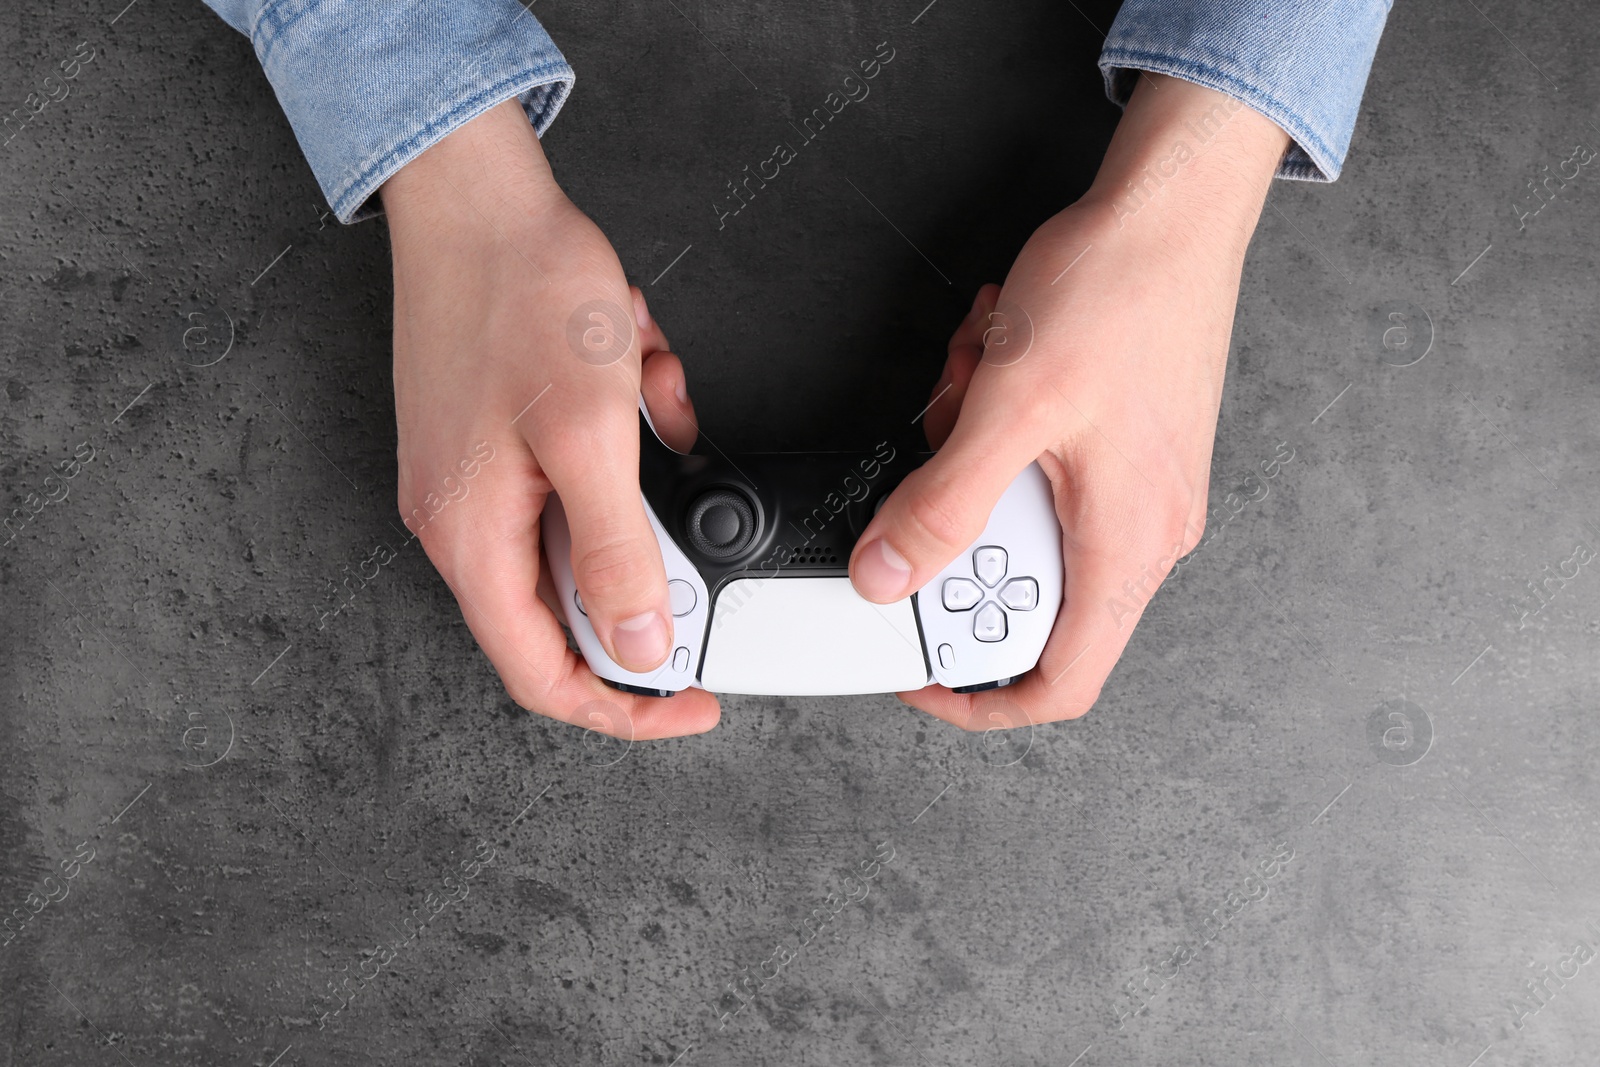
{"type": "Point", "coordinates": [651, 338]}
{"type": "Point", "coordinates": [666, 395]}
{"type": "Point", "coordinates": [942, 507]}
{"type": "Point", "coordinates": [663, 382]}
{"type": "Point", "coordinates": [965, 352]}
{"type": "Point", "coordinates": [588, 447]}
{"type": "Point", "coordinates": [550, 596]}
{"type": "Point", "coordinates": [486, 548]}
{"type": "Point", "coordinates": [994, 709]}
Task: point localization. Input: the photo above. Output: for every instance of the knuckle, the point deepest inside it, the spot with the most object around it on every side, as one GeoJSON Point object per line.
{"type": "Point", "coordinates": [412, 509]}
{"type": "Point", "coordinates": [418, 522]}
{"type": "Point", "coordinates": [530, 696]}
{"type": "Point", "coordinates": [607, 718]}
{"type": "Point", "coordinates": [521, 694]}
{"type": "Point", "coordinates": [1074, 705]}
{"type": "Point", "coordinates": [1179, 532]}
{"type": "Point", "coordinates": [934, 518]}
{"type": "Point", "coordinates": [1077, 710]}
{"type": "Point", "coordinates": [1037, 412]}
{"type": "Point", "coordinates": [999, 714]}
{"type": "Point", "coordinates": [609, 570]}
{"type": "Point", "coordinates": [1189, 535]}
{"type": "Point", "coordinates": [526, 688]}
{"type": "Point", "coordinates": [578, 442]}
{"type": "Point", "coordinates": [588, 416]}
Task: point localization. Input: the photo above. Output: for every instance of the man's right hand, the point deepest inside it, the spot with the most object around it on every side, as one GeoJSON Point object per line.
{"type": "Point", "coordinates": [514, 325]}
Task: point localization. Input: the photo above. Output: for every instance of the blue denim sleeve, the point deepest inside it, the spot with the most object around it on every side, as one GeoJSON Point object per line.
{"type": "Point", "coordinates": [1301, 63]}
{"type": "Point", "coordinates": [367, 86]}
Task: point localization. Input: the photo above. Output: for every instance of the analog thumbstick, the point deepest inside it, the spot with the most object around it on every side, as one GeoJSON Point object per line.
{"type": "Point", "coordinates": [721, 523]}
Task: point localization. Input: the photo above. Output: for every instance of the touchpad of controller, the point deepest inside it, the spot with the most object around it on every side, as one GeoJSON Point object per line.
{"type": "Point", "coordinates": [810, 637]}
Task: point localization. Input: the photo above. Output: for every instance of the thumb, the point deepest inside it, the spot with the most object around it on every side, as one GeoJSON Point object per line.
{"type": "Point", "coordinates": [592, 459]}
{"type": "Point", "coordinates": [932, 517]}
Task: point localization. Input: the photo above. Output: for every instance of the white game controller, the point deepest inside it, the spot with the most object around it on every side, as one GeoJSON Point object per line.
{"type": "Point", "coordinates": [756, 548]}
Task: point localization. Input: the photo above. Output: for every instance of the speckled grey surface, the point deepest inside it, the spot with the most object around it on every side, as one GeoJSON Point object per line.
{"type": "Point", "coordinates": [254, 810]}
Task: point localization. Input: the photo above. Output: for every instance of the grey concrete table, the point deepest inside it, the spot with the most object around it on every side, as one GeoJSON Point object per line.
{"type": "Point", "coordinates": [1336, 805]}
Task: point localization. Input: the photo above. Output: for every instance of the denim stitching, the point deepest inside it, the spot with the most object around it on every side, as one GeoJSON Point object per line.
{"type": "Point", "coordinates": [265, 38]}
{"type": "Point", "coordinates": [1183, 68]}
{"type": "Point", "coordinates": [544, 76]}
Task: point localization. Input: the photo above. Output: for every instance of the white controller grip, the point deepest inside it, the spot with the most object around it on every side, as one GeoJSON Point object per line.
{"type": "Point", "coordinates": [985, 617]}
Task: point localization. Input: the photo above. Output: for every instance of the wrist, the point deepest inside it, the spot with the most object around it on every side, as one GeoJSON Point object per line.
{"type": "Point", "coordinates": [1188, 163]}
{"type": "Point", "coordinates": [491, 167]}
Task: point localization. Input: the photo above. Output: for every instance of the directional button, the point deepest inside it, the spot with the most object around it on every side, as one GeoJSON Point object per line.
{"type": "Point", "coordinates": [989, 625]}
{"type": "Point", "coordinates": [961, 594]}
{"type": "Point", "coordinates": [989, 563]}
{"type": "Point", "coordinates": [1020, 594]}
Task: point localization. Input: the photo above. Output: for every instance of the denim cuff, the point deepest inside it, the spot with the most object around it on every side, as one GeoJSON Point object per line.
{"type": "Point", "coordinates": [368, 87]}
{"type": "Point", "coordinates": [1301, 63]}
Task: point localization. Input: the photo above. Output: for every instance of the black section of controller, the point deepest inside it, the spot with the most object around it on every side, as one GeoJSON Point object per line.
{"type": "Point", "coordinates": [638, 690]}
{"type": "Point", "coordinates": [768, 514]}
{"type": "Point", "coordinates": [981, 687]}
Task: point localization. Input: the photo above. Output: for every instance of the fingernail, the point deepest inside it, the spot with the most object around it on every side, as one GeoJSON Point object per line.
{"type": "Point", "coordinates": [641, 314]}
{"type": "Point", "coordinates": [882, 574]}
{"type": "Point", "coordinates": [641, 642]}
{"type": "Point", "coordinates": [680, 388]}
